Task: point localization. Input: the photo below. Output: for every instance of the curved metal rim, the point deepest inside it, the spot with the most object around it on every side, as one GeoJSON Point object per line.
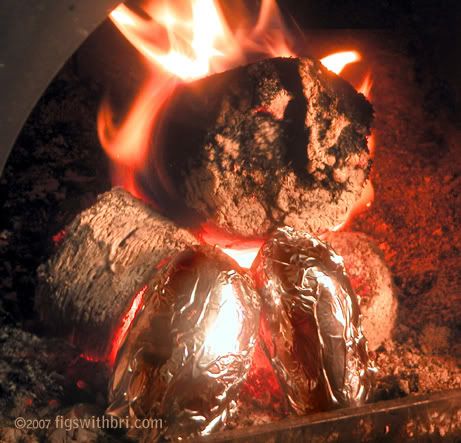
{"type": "Point", "coordinates": [36, 39]}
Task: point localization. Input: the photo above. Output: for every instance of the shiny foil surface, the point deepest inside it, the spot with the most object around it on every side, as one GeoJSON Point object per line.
{"type": "Point", "coordinates": [312, 315]}
{"type": "Point", "coordinates": [190, 348]}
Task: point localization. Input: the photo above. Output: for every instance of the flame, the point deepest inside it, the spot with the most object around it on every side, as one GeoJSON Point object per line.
{"type": "Point", "coordinates": [183, 40]}
{"type": "Point", "coordinates": [338, 61]}
{"type": "Point", "coordinates": [179, 41]}
{"type": "Point", "coordinates": [365, 86]}
{"type": "Point", "coordinates": [194, 41]}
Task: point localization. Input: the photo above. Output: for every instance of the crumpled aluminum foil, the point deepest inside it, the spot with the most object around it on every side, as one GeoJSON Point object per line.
{"type": "Point", "coordinates": [190, 348]}
{"type": "Point", "coordinates": [312, 314]}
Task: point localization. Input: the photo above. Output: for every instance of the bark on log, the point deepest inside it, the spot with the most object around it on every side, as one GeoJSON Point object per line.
{"type": "Point", "coordinates": [372, 281]}
{"type": "Point", "coordinates": [108, 251]}
{"type": "Point", "coordinates": [278, 142]}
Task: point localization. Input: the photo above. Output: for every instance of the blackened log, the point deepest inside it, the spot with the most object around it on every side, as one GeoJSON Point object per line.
{"type": "Point", "coordinates": [108, 251]}
{"type": "Point", "coordinates": [372, 282]}
{"type": "Point", "coordinates": [278, 142]}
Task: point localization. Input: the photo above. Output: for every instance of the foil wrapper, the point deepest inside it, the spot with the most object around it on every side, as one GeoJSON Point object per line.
{"type": "Point", "coordinates": [190, 348]}
{"type": "Point", "coordinates": [312, 321]}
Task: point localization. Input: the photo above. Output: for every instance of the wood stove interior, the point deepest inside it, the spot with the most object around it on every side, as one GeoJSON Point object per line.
{"type": "Point", "coordinates": [57, 168]}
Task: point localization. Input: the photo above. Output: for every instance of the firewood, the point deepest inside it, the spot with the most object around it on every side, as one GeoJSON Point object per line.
{"type": "Point", "coordinates": [372, 282]}
{"type": "Point", "coordinates": [278, 142]}
{"type": "Point", "coordinates": [108, 251]}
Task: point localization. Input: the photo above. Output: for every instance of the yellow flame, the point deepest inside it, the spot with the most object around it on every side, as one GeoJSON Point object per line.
{"type": "Point", "coordinates": [338, 61]}
{"type": "Point", "coordinates": [193, 41]}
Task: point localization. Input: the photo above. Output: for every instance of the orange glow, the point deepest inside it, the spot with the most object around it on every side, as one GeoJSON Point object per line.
{"type": "Point", "coordinates": [127, 320]}
{"type": "Point", "coordinates": [243, 251]}
{"type": "Point", "coordinates": [180, 41]}
{"type": "Point", "coordinates": [365, 86]}
{"type": "Point", "coordinates": [339, 60]}
{"type": "Point", "coordinates": [371, 144]}
{"type": "Point", "coordinates": [195, 35]}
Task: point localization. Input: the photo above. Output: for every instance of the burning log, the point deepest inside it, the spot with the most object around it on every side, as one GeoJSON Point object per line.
{"type": "Point", "coordinates": [372, 282]}
{"type": "Point", "coordinates": [316, 343]}
{"type": "Point", "coordinates": [107, 254]}
{"type": "Point", "coordinates": [278, 142]}
{"type": "Point", "coordinates": [190, 348]}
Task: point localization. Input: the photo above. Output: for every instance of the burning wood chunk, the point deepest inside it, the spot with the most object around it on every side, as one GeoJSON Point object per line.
{"type": "Point", "coordinates": [372, 282]}
{"type": "Point", "coordinates": [107, 253]}
{"type": "Point", "coordinates": [316, 345]}
{"type": "Point", "coordinates": [278, 142]}
{"type": "Point", "coordinates": [191, 347]}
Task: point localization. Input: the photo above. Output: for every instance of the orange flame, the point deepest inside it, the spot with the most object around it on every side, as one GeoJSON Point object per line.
{"type": "Point", "coordinates": [194, 41]}
{"type": "Point", "coordinates": [337, 62]}
{"type": "Point", "coordinates": [183, 40]}
{"type": "Point", "coordinates": [365, 86]}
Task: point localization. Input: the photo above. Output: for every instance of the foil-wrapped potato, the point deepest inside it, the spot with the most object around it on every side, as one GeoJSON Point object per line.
{"type": "Point", "coordinates": [189, 349]}
{"type": "Point", "coordinates": [315, 339]}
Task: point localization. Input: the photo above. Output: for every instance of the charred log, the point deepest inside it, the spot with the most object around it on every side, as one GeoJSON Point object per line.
{"type": "Point", "coordinates": [278, 142]}
{"type": "Point", "coordinates": [108, 251]}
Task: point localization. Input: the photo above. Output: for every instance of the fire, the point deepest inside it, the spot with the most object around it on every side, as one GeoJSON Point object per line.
{"type": "Point", "coordinates": [180, 41]}
{"type": "Point", "coordinates": [365, 86]}
{"type": "Point", "coordinates": [194, 39]}
{"type": "Point", "coordinates": [337, 62]}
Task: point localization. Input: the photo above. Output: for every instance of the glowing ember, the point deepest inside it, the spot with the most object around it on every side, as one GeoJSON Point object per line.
{"type": "Point", "coordinates": [119, 337]}
{"type": "Point", "coordinates": [90, 358]}
{"type": "Point", "coordinates": [59, 237]}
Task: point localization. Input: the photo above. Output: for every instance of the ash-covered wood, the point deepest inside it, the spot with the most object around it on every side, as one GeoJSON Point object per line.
{"type": "Point", "coordinates": [107, 253]}
{"type": "Point", "coordinates": [278, 142]}
{"type": "Point", "coordinates": [372, 281]}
